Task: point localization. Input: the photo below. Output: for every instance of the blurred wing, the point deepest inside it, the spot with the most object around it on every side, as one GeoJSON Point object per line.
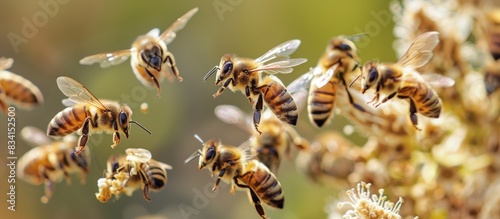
{"type": "Point", "coordinates": [68, 102]}
{"type": "Point", "coordinates": [35, 136]}
{"type": "Point", "coordinates": [107, 59]}
{"type": "Point", "coordinates": [169, 35]}
{"type": "Point", "coordinates": [282, 50]}
{"type": "Point", "coordinates": [6, 63]}
{"type": "Point", "coordinates": [154, 32]}
{"type": "Point", "coordinates": [437, 80]}
{"type": "Point", "coordinates": [235, 116]}
{"type": "Point", "coordinates": [420, 51]}
{"type": "Point", "coordinates": [283, 67]}
{"type": "Point", "coordinates": [165, 166]}
{"type": "Point", "coordinates": [78, 93]}
{"type": "Point", "coordinates": [302, 82]}
{"type": "Point", "coordinates": [139, 155]}
{"type": "Point", "coordinates": [324, 78]}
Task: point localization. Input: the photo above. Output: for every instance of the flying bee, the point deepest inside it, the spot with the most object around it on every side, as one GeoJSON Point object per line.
{"type": "Point", "coordinates": [245, 75]}
{"type": "Point", "coordinates": [150, 57]}
{"type": "Point", "coordinates": [234, 165]}
{"type": "Point", "coordinates": [16, 90]}
{"type": "Point", "coordinates": [330, 158]}
{"type": "Point", "coordinates": [339, 59]}
{"type": "Point", "coordinates": [136, 170]}
{"type": "Point", "coordinates": [86, 114]}
{"type": "Point", "coordinates": [400, 79]}
{"type": "Point", "coordinates": [51, 161]}
{"type": "Point", "coordinates": [275, 141]}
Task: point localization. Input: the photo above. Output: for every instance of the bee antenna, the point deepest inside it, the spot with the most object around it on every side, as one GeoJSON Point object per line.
{"type": "Point", "coordinates": [356, 37]}
{"type": "Point", "coordinates": [355, 79]}
{"type": "Point", "coordinates": [211, 72]}
{"type": "Point", "coordinates": [138, 124]}
{"type": "Point", "coordinates": [199, 139]}
{"type": "Point", "coordinates": [193, 156]}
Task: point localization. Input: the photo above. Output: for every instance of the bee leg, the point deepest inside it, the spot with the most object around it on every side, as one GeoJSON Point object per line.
{"type": "Point", "coordinates": [386, 99]}
{"type": "Point", "coordinates": [145, 181]}
{"type": "Point", "coordinates": [223, 87]}
{"type": "Point", "coordinates": [84, 138]}
{"type": "Point", "coordinates": [256, 203]}
{"type": "Point", "coordinates": [116, 139]}
{"type": "Point", "coordinates": [349, 94]}
{"type": "Point", "coordinates": [413, 115]}
{"type": "Point", "coordinates": [155, 82]}
{"type": "Point", "coordinates": [49, 186]}
{"type": "Point", "coordinates": [171, 64]}
{"type": "Point", "coordinates": [221, 174]}
{"type": "Point", "coordinates": [254, 199]}
{"type": "Point", "coordinates": [256, 113]}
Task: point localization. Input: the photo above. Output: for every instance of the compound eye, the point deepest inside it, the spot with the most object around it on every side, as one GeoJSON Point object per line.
{"type": "Point", "coordinates": [123, 118]}
{"type": "Point", "coordinates": [344, 47]}
{"type": "Point", "coordinates": [210, 154]}
{"type": "Point", "coordinates": [373, 75]}
{"type": "Point", "coordinates": [228, 67]}
{"type": "Point", "coordinates": [114, 166]}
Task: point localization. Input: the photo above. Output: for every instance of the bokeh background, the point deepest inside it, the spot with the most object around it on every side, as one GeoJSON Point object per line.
{"type": "Point", "coordinates": [248, 28]}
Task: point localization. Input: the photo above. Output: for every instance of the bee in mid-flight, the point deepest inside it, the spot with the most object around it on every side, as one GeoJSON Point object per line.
{"type": "Point", "coordinates": [16, 90]}
{"type": "Point", "coordinates": [136, 170]}
{"type": "Point", "coordinates": [234, 165]}
{"type": "Point", "coordinates": [86, 114]}
{"type": "Point", "coordinates": [402, 80]}
{"type": "Point", "coordinates": [51, 161]}
{"type": "Point", "coordinates": [245, 75]}
{"type": "Point", "coordinates": [276, 139]}
{"type": "Point", "coordinates": [339, 59]}
{"type": "Point", "coordinates": [151, 60]}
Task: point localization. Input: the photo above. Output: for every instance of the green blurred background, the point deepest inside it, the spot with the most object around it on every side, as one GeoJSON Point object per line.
{"type": "Point", "coordinates": [247, 28]}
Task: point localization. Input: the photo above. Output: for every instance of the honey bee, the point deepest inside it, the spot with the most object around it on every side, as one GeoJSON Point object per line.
{"type": "Point", "coordinates": [234, 165]}
{"type": "Point", "coordinates": [150, 57]}
{"type": "Point", "coordinates": [136, 170]}
{"type": "Point", "coordinates": [51, 161]}
{"type": "Point", "coordinates": [400, 79]}
{"type": "Point", "coordinates": [275, 141]}
{"type": "Point", "coordinates": [86, 114]}
{"type": "Point", "coordinates": [16, 90]}
{"type": "Point", "coordinates": [329, 159]}
{"type": "Point", "coordinates": [245, 75]}
{"type": "Point", "coordinates": [339, 59]}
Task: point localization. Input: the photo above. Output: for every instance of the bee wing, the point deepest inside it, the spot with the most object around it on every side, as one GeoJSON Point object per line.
{"type": "Point", "coordinates": [302, 82]}
{"type": "Point", "coordinates": [282, 50]}
{"type": "Point", "coordinates": [154, 32]}
{"type": "Point", "coordinates": [139, 155]}
{"type": "Point", "coordinates": [324, 78]}
{"type": "Point", "coordinates": [420, 51]}
{"type": "Point", "coordinates": [35, 136]}
{"type": "Point", "coordinates": [77, 93]}
{"type": "Point", "coordinates": [169, 35]}
{"type": "Point", "coordinates": [165, 166]}
{"type": "Point", "coordinates": [246, 148]}
{"type": "Point", "coordinates": [235, 116]}
{"type": "Point", "coordinates": [284, 66]}
{"type": "Point", "coordinates": [107, 59]}
{"type": "Point", "coordinates": [437, 80]}
{"type": "Point", "coordinates": [6, 63]}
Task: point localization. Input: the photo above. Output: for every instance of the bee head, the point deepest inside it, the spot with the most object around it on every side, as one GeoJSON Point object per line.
{"type": "Point", "coordinates": [153, 57]}
{"type": "Point", "coordinates": [208, 154]}
{"type": "Point", "coordinates": [337, 49]}
{"type": "Point", "coordinates": [370, 76]}
{"type": "Point", "coordinates": [124, 122]}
